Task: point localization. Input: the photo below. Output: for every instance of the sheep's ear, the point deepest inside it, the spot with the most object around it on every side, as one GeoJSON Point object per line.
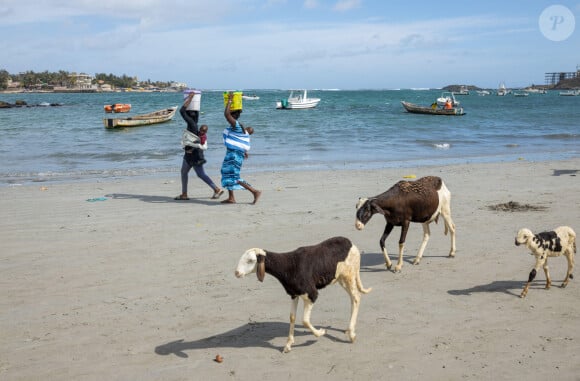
{"type": "Point", "coordinates": [378, 209]}
{"type": "Point", "coordinates": [261, 270]}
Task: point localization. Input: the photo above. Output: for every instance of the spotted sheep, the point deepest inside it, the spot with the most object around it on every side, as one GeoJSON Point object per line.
{"type": "Point", "coordinates": [304, 271]}
{"type": "Point", "coordinates": [419, 201]}
{"type": "Point", "coordinates": [560, 241]}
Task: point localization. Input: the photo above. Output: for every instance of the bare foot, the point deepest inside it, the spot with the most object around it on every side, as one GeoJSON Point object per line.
{"type": "Point", "coordinates": [228, 201]}
{"type": "Point", "coordinates": [257, 195]}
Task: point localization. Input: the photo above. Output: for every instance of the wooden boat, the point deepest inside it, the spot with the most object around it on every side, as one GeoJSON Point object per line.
{"type": "Point", "coordinates": [155, 117]}
{"type": "Point", "coordinates": [118, 107]}
{"type": "Point", "coordinates": [416, 109]}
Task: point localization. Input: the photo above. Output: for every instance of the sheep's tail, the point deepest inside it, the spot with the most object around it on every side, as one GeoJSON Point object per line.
{"type": "Point", "coordinates": [359, 285]}
{"type": "Point", "coordinates": [356, 266]}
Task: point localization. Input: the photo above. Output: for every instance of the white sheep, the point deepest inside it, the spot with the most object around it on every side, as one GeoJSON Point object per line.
{"type": "Point", "coordinates": [560, 241]}
{"type": "Point", "coordinates": [304, 271]}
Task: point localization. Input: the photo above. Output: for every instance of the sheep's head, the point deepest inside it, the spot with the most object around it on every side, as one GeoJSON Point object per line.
{"type": "Point", "coordinates": [524, 236]}
{"type": "Point", "coordinates": [252, 261]}
{"type": "Point", "coordinates": [365, 208]}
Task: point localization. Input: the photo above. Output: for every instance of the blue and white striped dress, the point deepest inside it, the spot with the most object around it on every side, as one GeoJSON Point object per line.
{"type": "Point", "coordinates": [237, 143]}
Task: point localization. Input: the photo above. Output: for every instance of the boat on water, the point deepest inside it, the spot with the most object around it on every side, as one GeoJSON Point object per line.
{"type": "Point", "coordinates": [155, 117]}
{"type": "Point", "coordinates": [447, 96]}
{"type": "Point", "coordinates": [483, 93]}
{"type": "Point", "coordinates": [463, 90]}
{"type": "Point", "coordinates": [118, 107]}
{"type": "Point", "coordinates": [521, 93]}
{"type": "Point", "coordinates": [570, 93]}
{"type": "Point", "coordinates": [297, 99]}
{"type": "Point", "coordinates": [502, 90]}
{"type": "Point", "coordinates": [432, 110]}
{"type": "Point", "coordinates": [250, 97]}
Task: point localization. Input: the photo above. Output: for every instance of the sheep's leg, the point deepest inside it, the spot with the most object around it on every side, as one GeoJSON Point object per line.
{"type": "Point", "coordinates": [449, 226]}
{"type": "Point", "coordinates": [426, 235]}
{"type": "Point", "coordinates": [355, 303]}
{"type": "Point", "coordinates": [539, 262]}
{"type": "Point", "coordinates": [349, 283]}
{"type": "Point", "coordinates": [290, 340]}
{"type": "Point", "coordinates": [306, 320]}
{"type": "Point", "coordinates": [547, 272]}
{"type": "Point", "coordinates": [404, 230]}
{"type": "Point", "coordinates": [527, 286]}
{"type": "Point", "coordinates": [570, 257]}
{"type": "Point", "coordinates": [386, 233]}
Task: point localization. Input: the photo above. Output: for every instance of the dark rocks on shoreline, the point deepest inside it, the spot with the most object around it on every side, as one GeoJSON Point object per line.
{"type": "Point", "coordinates": [20, 103]}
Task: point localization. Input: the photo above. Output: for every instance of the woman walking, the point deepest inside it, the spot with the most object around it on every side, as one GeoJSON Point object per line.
{"type": "Point", "coordinates": [237, 142]}
{"type": "Point", "coordinates": [194, 156]}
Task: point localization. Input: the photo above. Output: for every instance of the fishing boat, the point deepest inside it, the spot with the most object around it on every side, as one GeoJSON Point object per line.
{"type": "Point", "coordinates": [298, 99]}
{"type": "Point", "coordinates": [430, 110]}
{"type": "Point", "coordinates": [155, 117]}
{"type": "Point", "coordinates": [118, 107]}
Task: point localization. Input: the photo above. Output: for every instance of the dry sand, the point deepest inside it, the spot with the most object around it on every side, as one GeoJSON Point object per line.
{"type": "Point", "coordinates": [142, 287]}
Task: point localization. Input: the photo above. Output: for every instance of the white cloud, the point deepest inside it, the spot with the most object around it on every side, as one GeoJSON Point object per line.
{"type": "Point", "coordinates": [346, 5]}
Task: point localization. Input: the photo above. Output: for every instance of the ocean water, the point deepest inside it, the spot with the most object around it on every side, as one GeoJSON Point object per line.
{"type": "Point", "coordinates": [362, 129]}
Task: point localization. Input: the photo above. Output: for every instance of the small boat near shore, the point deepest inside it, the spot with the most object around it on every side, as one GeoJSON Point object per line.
{"type": "Point", "coordinates": [250, 97]}
{"type": "Point", "coordinates": [569, 93]}
{"type": "Point", "coordinates": [117, 107]}
{"type": "Point", "coordinates": [298, 99]}
{"type": "Point", "coordinates": [429, 110]}
{"type": "Point", "coordinates": [155, 117]}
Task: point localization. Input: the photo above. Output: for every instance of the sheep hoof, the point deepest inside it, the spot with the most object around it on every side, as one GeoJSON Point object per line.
{"type": "Point", "coordinates": [416, 261]}
{"type": "Point", "coordinates": [319, 332]}
{"type": "Point", "coordinates": [564, 285]}
{"type": "Point", "coordinates": [389, 265]}
{"type": "Point", "coordinates": [287, 349]}
{"type": "Point", "coordinates": [351, 336]}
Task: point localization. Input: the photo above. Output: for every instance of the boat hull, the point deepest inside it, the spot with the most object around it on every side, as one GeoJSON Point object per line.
{"type": "Point", "coordinates": [156, 117]}
{"type": "Point", "coordinates": [416, 109]}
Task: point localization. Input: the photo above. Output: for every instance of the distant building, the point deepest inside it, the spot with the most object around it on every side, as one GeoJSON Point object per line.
{"type": "Point", "coordinates": [552, 79]}
{"type": "Point", "coordinates": [82, 81]}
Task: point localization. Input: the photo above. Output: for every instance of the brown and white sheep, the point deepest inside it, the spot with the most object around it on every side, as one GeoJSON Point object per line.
{"type": "Point", "coordinates": [422, 200]}
{"type": "Point", "coordinates": [304, 271]}
{"type": "Point", "coordinates": [560, 241]}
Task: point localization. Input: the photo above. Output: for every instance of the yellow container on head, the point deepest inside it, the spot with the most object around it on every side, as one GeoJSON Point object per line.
{"type": "Point", "coordinates": [236, 100]}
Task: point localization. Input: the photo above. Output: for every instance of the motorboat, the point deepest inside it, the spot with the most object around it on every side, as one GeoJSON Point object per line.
{"type": "Point", "coordinates": [521, 93]}
{"type": "Point", "coordinates": [297, 99]}
{"type": "Point", "coordinates": [250, 97]}
{"type": "Point", "coordinates": [569, 93]}
{"type": "Point", "coordinates": [447, 96]}
{"type": "Point", "coordinates": [483, 93]}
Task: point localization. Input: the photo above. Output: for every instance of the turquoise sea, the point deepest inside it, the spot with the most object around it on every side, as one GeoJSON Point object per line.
{"type": "Point", "coordinates": [361, 129]}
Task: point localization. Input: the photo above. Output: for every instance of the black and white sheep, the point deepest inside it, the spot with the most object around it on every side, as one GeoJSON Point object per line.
{"type": "Point", "coordinates": [304, 271]}
{"type": "Point", "coordinates": [420, 201]}
{"type": "Point", "coordinates": [560, 241]}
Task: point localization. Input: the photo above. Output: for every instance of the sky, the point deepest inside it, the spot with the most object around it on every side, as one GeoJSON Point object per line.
{"type": "Point", "coordinates": [284, 44]}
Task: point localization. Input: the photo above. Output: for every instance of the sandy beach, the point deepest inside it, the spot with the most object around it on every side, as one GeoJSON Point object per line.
{"type": "Point", "coordinates": [114, 280]}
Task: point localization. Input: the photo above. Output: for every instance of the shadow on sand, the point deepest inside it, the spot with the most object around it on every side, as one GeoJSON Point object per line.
{"type": "Point", "coordinates": [160, 199]}
{"type": "Point", "coordinates": [510, 287]}
{"type": "Point", "coordinates": [252, 334]}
